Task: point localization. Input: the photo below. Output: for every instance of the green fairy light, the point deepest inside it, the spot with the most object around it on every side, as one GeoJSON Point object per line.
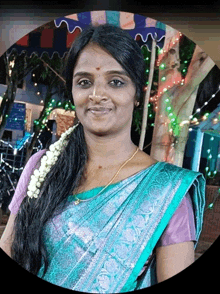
{"type": "Point", "coordinates": [211, 206]}
{"type": "Point", "coordinates": [162, 66]}
{"type": "Point", "coordinates": [66, 106]}
{"type": "Point", "coordinates": [174, 121]}
{"type": "Point", "coordinates": [163, 79]}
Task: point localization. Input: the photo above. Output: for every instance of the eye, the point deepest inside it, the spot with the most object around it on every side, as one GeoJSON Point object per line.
{"type": "Point", "coordinates": [84, 83]}
{"type": "Point", "coordinates": [116, 83]}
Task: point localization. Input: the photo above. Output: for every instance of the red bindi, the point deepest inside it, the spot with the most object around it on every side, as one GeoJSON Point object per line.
{"type": "Point", "coordinates": [98, 68]}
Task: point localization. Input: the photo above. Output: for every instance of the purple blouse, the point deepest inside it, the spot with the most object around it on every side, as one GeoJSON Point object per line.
{"type": "Point", "coordinates": [181, 227]}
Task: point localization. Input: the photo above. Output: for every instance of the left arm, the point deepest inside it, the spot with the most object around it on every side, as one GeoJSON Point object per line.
{"type": "Point", "coordinates": [172, 259]}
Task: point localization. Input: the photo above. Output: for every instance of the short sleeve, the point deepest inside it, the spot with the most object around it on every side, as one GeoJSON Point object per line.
{"type": "Point", "coordinates": [181, 227]}
{"type": "Point", "coordinates": [22, 185]}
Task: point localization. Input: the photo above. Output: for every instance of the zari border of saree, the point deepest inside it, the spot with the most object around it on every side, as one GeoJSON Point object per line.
{"type": "Point", "coordinates": [199, 204]}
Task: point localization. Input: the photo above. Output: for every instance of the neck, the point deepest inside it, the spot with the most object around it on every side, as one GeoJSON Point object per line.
{"type": "Point", "coordinates": [105, 151]}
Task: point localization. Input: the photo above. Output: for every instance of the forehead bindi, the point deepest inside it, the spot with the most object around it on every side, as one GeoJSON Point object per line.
{"type": "Point", "coordinates": [96, 61]}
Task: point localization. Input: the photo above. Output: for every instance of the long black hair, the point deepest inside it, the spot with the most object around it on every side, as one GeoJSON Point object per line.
{"type": "Point", "coordinates": [28, 248]}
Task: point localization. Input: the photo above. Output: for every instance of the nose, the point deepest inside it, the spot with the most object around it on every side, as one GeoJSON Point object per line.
{"type": "Point", "coordinates": [98, 97]}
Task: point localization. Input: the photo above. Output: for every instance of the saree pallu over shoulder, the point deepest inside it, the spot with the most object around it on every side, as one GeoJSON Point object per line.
{"type": "Point", "coordinates": [101, 246]}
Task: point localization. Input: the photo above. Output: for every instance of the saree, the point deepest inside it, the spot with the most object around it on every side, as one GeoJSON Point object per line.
{"type": "Point", "coordinates": [102, 245]}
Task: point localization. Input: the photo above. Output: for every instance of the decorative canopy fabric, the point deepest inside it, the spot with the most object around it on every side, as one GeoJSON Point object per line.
{"type": "Point", "coordinates": [58, 38]}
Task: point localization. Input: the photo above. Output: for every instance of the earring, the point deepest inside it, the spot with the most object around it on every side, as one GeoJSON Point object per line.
{"type": "Point", "coordinates": [137, 103]}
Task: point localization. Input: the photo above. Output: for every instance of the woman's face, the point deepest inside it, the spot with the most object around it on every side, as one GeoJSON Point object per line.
{"type": "Point", "coordinates": [103, 93]}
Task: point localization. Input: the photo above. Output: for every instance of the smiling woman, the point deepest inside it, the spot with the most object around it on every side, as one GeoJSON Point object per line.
{"type": "Point", "coordinates": [110, 90]}
{"type": "Point", "coordinates": [99, 215]}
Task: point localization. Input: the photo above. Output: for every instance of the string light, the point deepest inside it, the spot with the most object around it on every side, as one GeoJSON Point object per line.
{"type": "Point", "coordinates": [208, 173]}
{"type": "Point", "coordinates": [205, 103]}
{"type": "Point", "coordinates": [16, 148]}
{"type": "Point", "coordinates": [170, 45]}
{"type": "Point", "coordinates": [215, 121]}
{"type": "Point", "coordinates": [163, 66]}
{"type": "Point", "coordinates": [174, 126]}
{"type": "Point", "coordinates": [211, 205]}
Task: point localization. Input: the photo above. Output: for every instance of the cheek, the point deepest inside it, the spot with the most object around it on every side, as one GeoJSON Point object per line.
{"type": "Point", "coordinates": [127, 100]}
{"type": "Point", "coordinates": [79, 99]}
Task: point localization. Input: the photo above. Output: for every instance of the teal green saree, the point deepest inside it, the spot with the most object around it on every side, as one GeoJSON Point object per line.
{"type": "Point", "coordinates": [101, 246]}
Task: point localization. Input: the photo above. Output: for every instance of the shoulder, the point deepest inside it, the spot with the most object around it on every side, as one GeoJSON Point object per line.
{"type": "Point", "coordinates": [21, 188]}
{"type": "Point", "coordinates": [34, 160]}
{"type": "Point", "coordinates": [36, 156]}
{"type": "Point", "coordinates": [144, 160]}
{"type": "Point", "coordinates": [165, 168]}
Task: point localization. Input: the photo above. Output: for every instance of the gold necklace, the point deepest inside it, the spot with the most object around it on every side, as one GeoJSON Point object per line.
{"type": "Point", "coordinates": [81, 200]}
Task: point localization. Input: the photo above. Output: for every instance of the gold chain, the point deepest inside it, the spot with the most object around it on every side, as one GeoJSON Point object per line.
{"type": "Point", "coordinates": [81, 200]}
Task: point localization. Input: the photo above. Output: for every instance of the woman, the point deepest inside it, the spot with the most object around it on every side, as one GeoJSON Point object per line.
{"type": "Point", "coordinates": [99, 214]}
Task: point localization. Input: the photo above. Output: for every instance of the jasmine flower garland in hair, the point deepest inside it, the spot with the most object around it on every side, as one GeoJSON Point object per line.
{"type": "Point", "coordinates": [47, 161]}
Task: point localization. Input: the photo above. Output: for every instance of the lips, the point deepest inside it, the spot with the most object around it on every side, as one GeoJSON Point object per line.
{"type": "Point", "coordinates": [98, 111]}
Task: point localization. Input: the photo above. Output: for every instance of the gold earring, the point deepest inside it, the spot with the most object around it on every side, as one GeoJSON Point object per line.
{"type": "Point", "coordinates": [137, 103]}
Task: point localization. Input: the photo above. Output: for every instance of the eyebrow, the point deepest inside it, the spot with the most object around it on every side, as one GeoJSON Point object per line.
{"type": "Point", "coordinates": [87, 74]}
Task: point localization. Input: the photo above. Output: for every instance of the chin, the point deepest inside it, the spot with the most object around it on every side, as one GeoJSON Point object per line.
{"type": "Point", "coordinates": [100, 132]}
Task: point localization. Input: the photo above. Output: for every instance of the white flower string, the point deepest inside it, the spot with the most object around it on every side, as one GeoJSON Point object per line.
{"type": "Point", "coordinates": [47, 161]}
